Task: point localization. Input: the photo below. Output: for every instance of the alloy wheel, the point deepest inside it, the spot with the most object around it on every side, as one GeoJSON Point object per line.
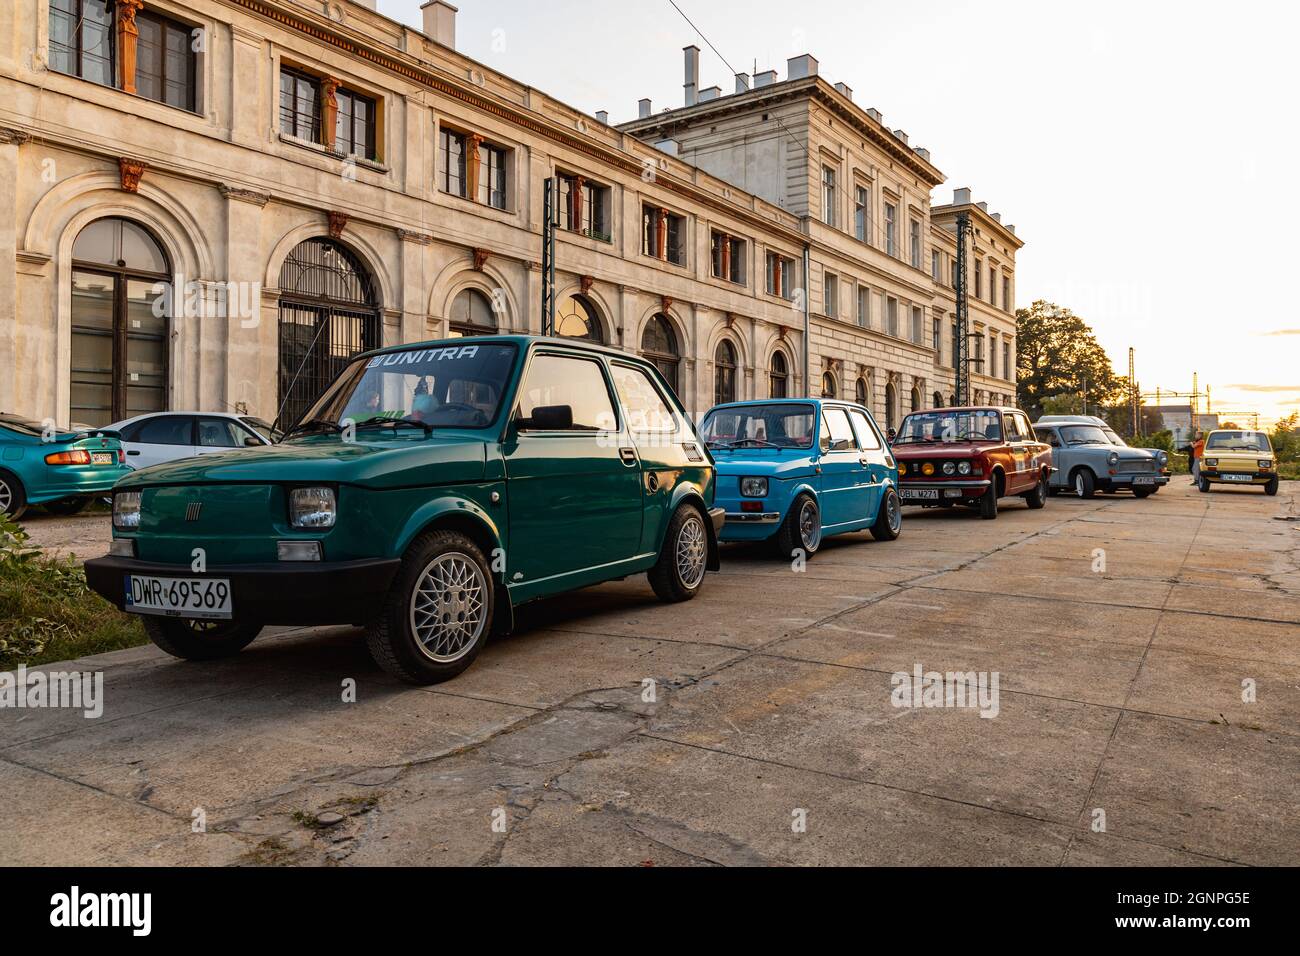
{"type": "Point", "coordinates": [448, 609]}
{"type": "Point", "coordinates": [6, 497]}
{"type": "Point", "coordinates": [810, 526]}
{"type": "Point", "coordinates": [692, 552]}
{"type": "Point", "coordinates": [893, 513]}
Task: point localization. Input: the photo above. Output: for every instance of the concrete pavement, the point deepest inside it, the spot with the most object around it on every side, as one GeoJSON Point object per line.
{"type": "Point", "coordinates": [754, 725]}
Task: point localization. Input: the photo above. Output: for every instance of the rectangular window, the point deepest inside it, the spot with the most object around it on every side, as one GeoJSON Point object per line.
{"type": "Point", "coordinates": [663, 235]}
{"type": "Point", "coordinates": [1006, 360]}
{"type": "Point", "coordinates": [354, 127]}
{"type": "Point", "coordinates": [956, 346]}
{"type": "Point", "coordinates": [492, 176]}
{"type": "Point", "coordinates": [952, 273]}
{"type": "Point", "coordinates": [891, 316]}
{"type": "Point", "coordinates": [829, 194]}
{"type": "Point", "coordinates": [584, 207]}
{"type": "Point", "coordinates": [300, 105]}
{"type": "Point", "coordinates": [993, 286]}
{"type": "Point", "coordinates": [935, 264]}
{"type": "Point", "coordinates": [864, 307]}
{"type": "Point", "coordinates": [918, 325]}
{"type": "Point", "coordinates": [831, 294]}
{"type": "Point", "coordinates": [451, 155]}
{"type": "Point", "coordinates": [914, 235]}
{"type": "Point", "coordinates": [165, 61]}
{"type": "Point", "coordinates": [891, 229]}
{"type": "Point", "coordinates": [780, 275]}
{"type": "Point", "coordinates": [1006, 293]}
{"type": "Point", "coordinates": [979, 285]}
{"type": "Point", "coordinates": [862, 214]}
{"type": "Point", "coordinates": [728, 254]}
{"type": "Point", "coordinates": [82, 40]}
{"type": "Point", "coordinates": [936, 337]}
{"type": "Point", "coordinates": [993, 356]}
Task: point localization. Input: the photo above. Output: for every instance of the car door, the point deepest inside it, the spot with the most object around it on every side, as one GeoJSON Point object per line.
{"type": "Point", "coordinates": [652, 425]}
{"type": "Point", "coordinates": [1050, 437]}
{"type": "Point", "coordinates": [845, 479]}
{"type": "Point", "coordinates": [159, 439]}
{"type": "Point", "coordinates": [1021, 452]}
{"type": "Point", "coordinates": [214, 434]}
{"type": "Point", "coordinates": [574, 493]}
{"type": "Point", "coordinates": [873, 455]}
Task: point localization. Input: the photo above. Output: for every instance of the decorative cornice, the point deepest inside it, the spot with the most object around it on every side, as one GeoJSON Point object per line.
{"type": "Point", "coordinates": [408, 235]}
{"type": "Point", "coordinates": [245, 195]}
{"type": "Point", "coordinates": [13, 137]}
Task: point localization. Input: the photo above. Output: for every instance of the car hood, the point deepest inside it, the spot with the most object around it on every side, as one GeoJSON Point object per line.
{"type": "Point", "coordinates": [380, 462]}
{"type": "Point", "coordinates": [758, 462]}
{"type": "Point", "coordinates": [945, 449]}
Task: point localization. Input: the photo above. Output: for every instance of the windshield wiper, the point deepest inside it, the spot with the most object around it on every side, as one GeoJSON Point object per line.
{"type": "Point", "coordinates": [755, 441]}
{"type": "Point", "coordinates": [397, 423]}
{"type": "Point", "coordinates": [315, 425]}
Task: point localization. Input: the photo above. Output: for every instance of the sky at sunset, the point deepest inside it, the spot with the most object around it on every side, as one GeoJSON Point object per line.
{"type": "Point", "coordinates": [1144, 150]}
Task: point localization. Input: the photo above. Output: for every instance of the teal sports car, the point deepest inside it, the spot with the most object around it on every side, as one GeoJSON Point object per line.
{"type": "Point", "coordinates": [61, 469]}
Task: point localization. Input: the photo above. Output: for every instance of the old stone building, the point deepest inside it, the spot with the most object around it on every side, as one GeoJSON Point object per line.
{"type": "Point", "coordinates": [210, 204]}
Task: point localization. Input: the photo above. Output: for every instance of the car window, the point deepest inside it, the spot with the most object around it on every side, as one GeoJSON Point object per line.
{"type": "Point", "coordinates": [1012, 425]}
{"type": "Point", "coordinates": [576, 382]}
{"type": "Point", "coordinates": [1023, 424]}
{"type": "Point", "coordinates": [836, 428]}
{"type": "Point", "coordinates": [867, 436]}
{"type": "Point", "coordinates": [164, 430]}
{"type": "Point", "coordinates": [785, 425]}
{"type": "Point", "coordinates": [221, 433]}
{"type": "Point", "coordinates": [1048, 435]}
{"type": "Point", "coordinates": [1238, 441]}
{"type": "Point", "coordinates": [643, 404]}
{"type": "Point", "coordinates": [1083, 435]}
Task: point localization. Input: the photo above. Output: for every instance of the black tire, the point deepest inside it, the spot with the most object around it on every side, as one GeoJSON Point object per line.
{"type": "Point", "coordinates": [790, 538]}
{"type": "Point", "coordinates": [683, 561]}
{"type": "Point", "coordinates": [1038, 497]}
{"type": "Point", "coordinates": [200, 640]}
{"type": "Point", "coordinates": [440, 559]}
{"type": "Point", "coordinates": [13, 496]}
{"type": "Point", "coordinates": [1083, 483]}
{"type": "Point", "coordinates": [1271, 487]}
{"type": "Point", "coordinates": [1203, 485]}
{"type": "Point", "coordinates": [68, 506]}
{"type": "Point", "coordinates": [988, 502]}
{"type": "Point", "coordinates": [889, 519]}
{"type": "Point", "coordinates": [1143, 492]}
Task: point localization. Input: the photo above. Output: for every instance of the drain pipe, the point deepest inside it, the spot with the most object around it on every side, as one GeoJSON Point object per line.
{"type": "Point", "coordinates": [807, 321]}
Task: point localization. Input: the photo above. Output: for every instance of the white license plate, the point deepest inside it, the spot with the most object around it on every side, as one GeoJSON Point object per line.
{"type": "Point", "coordinates": [1144, 481]}
{"type": "Point", "coordinates": [1237, 477]}
{"type": "Point", "coordinates": [923, 494]}
{"type": "Point", "coordinates": [102, 458]}
{"type": "Point", "coordinates": [198, 598]}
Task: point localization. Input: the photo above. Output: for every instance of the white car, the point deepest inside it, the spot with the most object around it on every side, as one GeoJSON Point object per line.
{"type": "Point", "coordinates": [166, 436]}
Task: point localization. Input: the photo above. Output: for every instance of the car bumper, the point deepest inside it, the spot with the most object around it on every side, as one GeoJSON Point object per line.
{"type": "Point", "coordinates": [953, 490]}
{"type": "Point", "coordinates": [339, 592]}
{"type": "Point", "coordinates": [73, 481]}
{"type": "Point", "coordinates": [1238, 477]}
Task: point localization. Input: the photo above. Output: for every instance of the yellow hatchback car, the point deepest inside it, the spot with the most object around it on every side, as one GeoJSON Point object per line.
{"type": "Point", "coordinates": [1238, 457]}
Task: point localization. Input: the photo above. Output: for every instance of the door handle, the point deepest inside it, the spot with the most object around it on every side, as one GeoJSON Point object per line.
{"type": "Point", "coordinates": [864, 461]}
{"type": "Point", "coordinates": [133, 452]}
{"type": "Point", "coordinates": [628, 455]}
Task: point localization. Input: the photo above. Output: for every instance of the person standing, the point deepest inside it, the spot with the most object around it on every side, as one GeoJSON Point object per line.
{"type": "Point", "coordinates": [1194, 452]}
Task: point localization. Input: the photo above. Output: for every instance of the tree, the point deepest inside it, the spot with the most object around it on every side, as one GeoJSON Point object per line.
{"type": "Point", "coordinates": [1286, 439]}
{"type": "Point", "coordinates": [1056, 353]}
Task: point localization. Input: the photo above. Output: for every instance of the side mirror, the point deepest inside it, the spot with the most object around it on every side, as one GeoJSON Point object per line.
{"type": "Point", "coordinates": [891, 435]}
{"type": "Point", "coordinates": [550, 418]}
{"type": "Point", "coordinates": [251, 442]}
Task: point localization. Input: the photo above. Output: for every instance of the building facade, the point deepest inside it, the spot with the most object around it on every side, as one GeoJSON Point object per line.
{"type": "Point", "coordinates": [211, 204]}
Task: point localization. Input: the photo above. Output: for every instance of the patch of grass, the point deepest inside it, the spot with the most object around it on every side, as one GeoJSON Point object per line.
{"type": "Point", "coordinates": [270, 852]}
{"type": "Point", "coordinates": [48, 612]}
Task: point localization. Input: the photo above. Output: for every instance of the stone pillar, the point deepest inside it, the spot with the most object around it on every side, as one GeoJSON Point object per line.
{"type": "Point", "coordinates": [246, 89]}
{"type": "Point", "coordinates": [415, 285]}
{"type": "Point", "coordinates": [250, 324]}
{"type": "Point", "coordinates": [10, 140]}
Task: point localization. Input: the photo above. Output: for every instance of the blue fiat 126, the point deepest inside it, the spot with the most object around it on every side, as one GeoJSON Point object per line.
{"type": "Point", "coordinates": [793, 471]}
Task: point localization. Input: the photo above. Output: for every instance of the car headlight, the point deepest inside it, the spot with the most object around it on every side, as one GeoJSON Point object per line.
{"type": "Point", "coordinates": [1164, 458]}
{"type": "Point", "coordinates": [312, 508]}
{"type": "Point", "coordinates": [1114, 458]}
{"type": "Point", "coordinates": [927, 469]}
{"type": "Point", "coordinates": [753, 487]}
{"type": "Point", "coordinates": [1211, 462]}
{"type": "Point", "coordinates": [963, 468]}
{"type": "Point", "coordinates": [902, 468]}
{"type": "Point", "coordinates": [1266, 463]}
{"type": "Point", "coordinates": [126, 510]}
{"type": "Point", "coordinates": [949, 468]}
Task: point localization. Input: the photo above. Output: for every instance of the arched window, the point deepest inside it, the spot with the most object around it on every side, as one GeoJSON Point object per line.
{"type": "Point", "coordinates": [724, 373]}
{"type": "Point", "coordinates": [328, 313]}
{"type": "Point", "coordinates": [938, 399]}
{"type": "Point", "coordinates": [860, 392]}
{"type": "Point", "coordinates": [576, 319]}
{"type": "Point", "coordinates": [779, 376]}
{"type": "Point", "coordinates": [828, 385]}
{"type": "Point", "coordinates": [659, 345]}
{"type": "Point", "coordinates": [121, 309]}
{"type": "Point", "coordinates": [916, 399]}
{"type": "Point", "coordinates": [952, 400]}
{"type": "Point", "coordinates": [891, 406]}
{"type": "Point", "coordinates": [472, 314]}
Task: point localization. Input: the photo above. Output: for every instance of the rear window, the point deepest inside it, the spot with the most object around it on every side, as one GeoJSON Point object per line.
{"type": "Point", "coordinates": [782, 425]}
{"type": "Point", "coordinates": [167, 430]}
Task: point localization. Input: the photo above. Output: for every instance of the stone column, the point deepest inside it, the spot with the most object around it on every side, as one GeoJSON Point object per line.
{"type": "Point", "coordinates": [415, 286]}
{"type": "Point", "coordinates": [250, 324]}
{"type": "Point", "coordinates": [10, 140]}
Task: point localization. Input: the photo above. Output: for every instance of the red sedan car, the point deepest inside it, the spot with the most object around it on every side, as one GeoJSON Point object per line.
{"type": "Point", "coordinates": [970, 456]}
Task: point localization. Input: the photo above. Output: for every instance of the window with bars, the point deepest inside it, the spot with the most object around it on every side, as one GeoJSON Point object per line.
{"type": "Point", "coordinates": [300, 105]}
{"type": "Point", "coordinates": [663, 235]}
{"type": "Point", "coordinates": [584, 207]}
{"type": "Point", "coordinates": [728, 254]}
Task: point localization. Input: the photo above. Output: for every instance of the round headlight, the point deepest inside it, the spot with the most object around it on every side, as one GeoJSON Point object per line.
{"type": "Point", "coordinates": [963, 467]}
{"type": "Point", "coordinates": [949, 468]}
{"type": "Point", "coordinates": [902, 468]}
{"type": "Point", "coordinates": [927, 469]}
{"type": "Point", "coordinates": [1114, 458]}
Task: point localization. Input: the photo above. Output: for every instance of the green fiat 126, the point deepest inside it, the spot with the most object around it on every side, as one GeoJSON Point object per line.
{"type": "Point", "coordinates": [427, 493]}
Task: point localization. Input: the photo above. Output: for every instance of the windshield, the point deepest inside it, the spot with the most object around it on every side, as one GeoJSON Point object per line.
{"type": "Point", "coordinates": [1113, 438]}
{"type": "Point", "coordinates": [261, 427]}
{"type": "Point", "coordinates": [456, 387]}
{"type": "Point", "coordinates": [1083, 435]}
{"type": "Point", "coordinates": [964, 425]}
{"type": "Point", "coordinates": [1238, 441]}
{"type": "Point", "coordinates": [779, 426]}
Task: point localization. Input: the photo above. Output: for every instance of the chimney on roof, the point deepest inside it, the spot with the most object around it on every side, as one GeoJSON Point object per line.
{"type": "Point", "coordinates": [368, 4]}
{"type": "Point", "coordinates": [982, 206]}
{"type": "Point", "coordinates": [766, 78]}
{"type": "Point", "coordinates": [902, 137]}
{"type": "Point", "coordinates": [961, 197]}
{"type": "Point", "coordinates": [1011, 229]}
{"type": "Point", "coordinates": [876, 115]}
{"type": "Point", "coordinates": [643, 109]}
{"type": "Point", "coordinates": [922, 152]}
{"type": "Point", "coordinates": [798, 67]}
{"type": "Point", "coordinates": [712, 93]}
{"type": "Point", "coordinates": [742, 82]}
{"type": "Point", "coordinates": [997, 217]}
{"type": "Point", "coordinates": [844, 90]}
{"type": "Point", "coordinates": [603, 116]}
{"type": "Point", "coordinates": [440, 22]}
{"type": "Point", "coordinates": [692, 84]}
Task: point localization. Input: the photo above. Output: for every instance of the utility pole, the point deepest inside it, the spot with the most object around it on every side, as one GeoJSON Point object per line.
{"type": "Point", "coordinates": [1085, 395]}
{"type": "Point", "coordinates": [961, 361]}
{"type": "Point", "coordinates": [1133, 390]}
{"type": "Point", "coordinates": [548, 256]}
